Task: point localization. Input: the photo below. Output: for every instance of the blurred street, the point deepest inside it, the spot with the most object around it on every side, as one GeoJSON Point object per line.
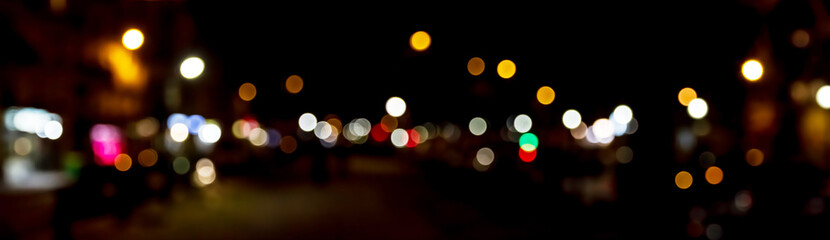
{"type": "Point", "coordinates": [382, 198]}
{"type": "Point", "coordinates": [192, 119]}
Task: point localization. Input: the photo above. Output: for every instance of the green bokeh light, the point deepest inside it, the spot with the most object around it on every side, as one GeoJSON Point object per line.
{"type": "Point", "coordinates": [528, 142]}
{"type": "Point", "coordinates": [181, 165]}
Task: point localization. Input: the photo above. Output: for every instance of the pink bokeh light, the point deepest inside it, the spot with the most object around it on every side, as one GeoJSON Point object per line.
{"type": "Point", "coordinates": [107, 143]}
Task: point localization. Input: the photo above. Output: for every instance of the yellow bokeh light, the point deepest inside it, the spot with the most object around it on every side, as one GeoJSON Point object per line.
{"type": "Point", "coordinates": [545, 95]}
{"type": "Point", "coordinates": [335, 123]}
{"type": "Point", "coordinates": [475, 66]}
{"type": "Point", "coordinates": [752, 70]}
{"type": "Point", "coordinates": [57, 6]}
{"type": "Point", "coordinates": [714, 175]}
{"type": "Point", "coordinates": [506, 69]}
{"type": "Point", "coordinates": [247, 92]}
{"type": "Point", "coordinates": [132, 39]}
{"type": "Point", "coordinates": [388, 123]}
{"type": "Point", "coordinates": [420, 41]}
{"type": "Point", "coordinates": [683, 180]}
{"type": "Point", "coordinates": [238, 130]}
{"type": "Point", "coordinates": [148, 157]}
{"type": "Point", "coordinates": [123, 162]}
{"type": "Point", "coordinates": [686, 95]}
{"type": "Point", "coordinates": [127, 71]}
{"type": "Point", "coordinates": [294, 84]}
{"type": "Point", "coordinates": [754, 157]}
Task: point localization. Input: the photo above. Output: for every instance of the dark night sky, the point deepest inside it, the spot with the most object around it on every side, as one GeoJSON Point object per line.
{"type": "Point", "coordinates": [594, 55]}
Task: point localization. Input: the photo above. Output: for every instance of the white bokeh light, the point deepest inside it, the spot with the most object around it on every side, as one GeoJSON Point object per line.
{"type": "Point", "coordinates": [192, 67]}
{"type": "Point", "coordinates": [323, 130]}
{"type": "Point", "coordinates": [698, 108]}
{"type": "Point", "coordinates": [307, 122]}
{"type": "Point", "coordinates": [752, 70]}
{"type": "Point", "coordinates": [258, 137]}
{"type": "Point", "coordinates": [360, 127]}
{"type": "Point", "coordinates": [571, 119]}
{"type": "Point", "coordinates": [623, 114]}
{"type": "Point", "coordinates": [132, 39]}
{"type": "Point", "coordinates": [205, 172]}
{"type": "Point", "coordinates": [522, 123]}
{"type": "Point", "coordinates": [743, 200]}
{"type": "Point", "coordinates": [619, 128]}
{"type": "Point", "coordinates": [209, 133]}
{"type": "Point", "coordinates": [478, 126]}
{"type": "Point", "coordinates": [823, 97]}
{"type": "Point", "coordinates": [179, 132]}
{"type": "Point", "coordinates": [603, 128]}
{"type": "Point", "coordinates": [53, 129]}
{"type": "Point", "coordinates": [485, 156]}
{"type": "Point", "coordinates": [399, 138]}
{"type": "Point", "coordinates": [395, 106]}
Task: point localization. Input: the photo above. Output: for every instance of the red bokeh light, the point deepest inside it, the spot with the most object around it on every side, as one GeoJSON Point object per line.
{"type": "Point", "coordinates": [414, 138]}
{"type": "Point", "coordinates": [527, 156]}
{"type": "Point", "coordinates": [378, 134]}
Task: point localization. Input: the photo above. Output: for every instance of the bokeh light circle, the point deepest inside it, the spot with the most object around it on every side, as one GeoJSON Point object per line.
{"type": "Point", "coordinates": [686, 95]}
{"type": "Point", "coordinates": [752, 70]}
{"type": "Point", "coordinates": [545, 95]}
{"type": "Point", "coordinates": [754, 157]}
{"type": "Point", "coordinates": [181, 165]}
{"type": "Point", "coordinates": [823, 96]}
{"type": "Point", "coordinates": [395, 106]}
{"type": "Point", "coordinates": [247, 91]}
{"type": "Point", "coordinates": [528, 142]}
{"type": "Point", "coordinates": [603, 128]}
{"type": "Point", "coordinates": [478, 126]}
{"type": "Point", "coordinates": [697, 108]}
{"type": "Point", "coordinates": [683, 180]}
{"type": "Point", "coordinates": [294, 84]}
{"type": "Point", "coordinates": [288, 144]}
{"type": "Point", "coordinates": [192, 67]}
{"type": "Point", "coordinates": [622, 114]}
{"type": "Point", "coordinates": [714, 175]}
{"type": "Point", "coordinates": [522, 123]}
{"type": "Point", "coordinates": [179, 132]}
{"type": "Point", "coordinates": [399, 137]}
{"type": "Point", "coordinates": [258, 137]}
{"type": "Point", "coordinates": [307, 122]}
{"type": "Point", "coordinates": [571, 119]}
{"type": "Point", "coordinates": [506, 69]}
{"type": "Point", "coordinates": [475, 66]}
{"type": "Point", "coordinates": [420, 41]}
{"type": "Point", "coordinates": [526, 156]}
{"type": "Point", "coordinates": [485, 156]}
{"type": "Point", "coordinates": [209, 133]}
{"type": "Point", "coordinates": [624, 154]}
{"type": "Point", "coordinates": [123, 162]}
{"type": "Point", "coordinates": [148, 157]}
{"type": "Point", "coordinates": [53, 129]}
{"type": "Point", "coordinates": [132, 39]}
